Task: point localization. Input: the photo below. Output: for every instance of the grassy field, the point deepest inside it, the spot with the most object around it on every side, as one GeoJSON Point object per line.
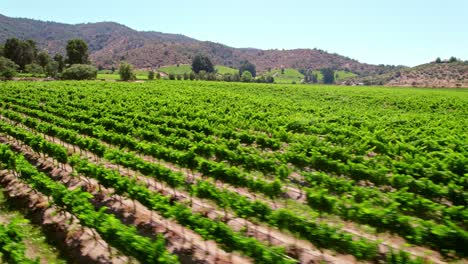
{"type": "Point", "coordinates": [185, 68]}
{"type": "Point", "coordinates": [339, 167]}
{"type": "Point", "coordinates": [293, 75]}
{"type": "Point", "coordinates": [35, 240]}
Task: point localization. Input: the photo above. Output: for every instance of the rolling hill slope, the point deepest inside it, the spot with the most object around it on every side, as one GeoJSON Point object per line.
{"type": "Point", "coordinates": [111, 42]}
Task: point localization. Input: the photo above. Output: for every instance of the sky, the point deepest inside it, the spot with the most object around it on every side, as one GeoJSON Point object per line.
{"type": "Point", "coordinates": [397, 32]}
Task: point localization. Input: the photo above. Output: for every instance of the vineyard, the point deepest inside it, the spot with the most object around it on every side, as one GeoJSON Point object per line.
{"type": "Point", "coordinates": [211, 172]}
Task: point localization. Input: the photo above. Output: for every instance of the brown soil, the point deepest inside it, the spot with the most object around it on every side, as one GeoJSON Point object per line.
{"type": "Point", "coordinates": [391, 241]}
{"type": "Point", "coordinates": [83, 244]}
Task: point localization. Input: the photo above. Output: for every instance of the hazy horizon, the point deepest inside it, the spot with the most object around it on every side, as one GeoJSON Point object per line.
{"type": "Point", "coordinates": [396, 33]}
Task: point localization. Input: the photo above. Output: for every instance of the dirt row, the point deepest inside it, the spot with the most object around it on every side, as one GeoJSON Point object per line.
{"type": "Point", "coordinates": [263, 233]}
{"type": "Point", "coordinates": [188, 245]}
{"type": "Point", "coordinates": [82, 244]}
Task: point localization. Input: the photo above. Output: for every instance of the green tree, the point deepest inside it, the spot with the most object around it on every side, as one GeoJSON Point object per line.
{"type": "Point", "coordinates": [126, 72]}
{"type": "Point", "coordinates": [60, 61]}
{"type": "Point", "coordinates": [158, 75]}
{"type": "Point", "coordinates": [246, 76]}
{"type": "Point", "coordinates": [328, 75]}
{"type": "Point", "coordinates": [43, 59]}
{"type": "Point", "coordinates": [151, 75]}
{"type": "Point", "coordinates": [248, 66]}
{"type": "Point", "coordinates": [52, 69]}
{"type": "Point", "coordinates": [192, 76]}
{"type": "Point", "coordinates": [438, 60]}
{"type": "Point", "coordinates": [80, 72]}
{"type": "Point", "coordinates": [453, 59]}
{"type": "Point", "coordinates": [77, 52]}
{"type": "Point", "coordinates": [7, 68]}
{"type": "Point", "coordinates": [172, 76]}
{"type": "Point", "coordinates": [202, 63]}
{"type": "Point", "coordinates": [20, 52]}
{"type": "Point", "coordinates": [34, 69]}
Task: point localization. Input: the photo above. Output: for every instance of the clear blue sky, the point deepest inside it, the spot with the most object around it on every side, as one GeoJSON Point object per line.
{"type": "Point", "coordinates": [408, 32]}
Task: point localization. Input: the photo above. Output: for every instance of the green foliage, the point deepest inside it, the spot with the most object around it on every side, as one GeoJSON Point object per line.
{"type": "Point", "coordinates": [43, 59]}
{"type": "Point", "coordinates": [126, 72]}
{"type": "Point", "coordinates": [7, 68]}
{"type": "Point", "coordinates": [79, 72]}
{"type": "Point", "coordinates": [453, 59]}
{"type": "Point", "coordinates": [34, 69]}
{"type": "Point", "coordinates": [202, 63]}
{"type": "Point", "coordinates": [344, 148]}
{"type": "Point", "coordinates": [20, 52]}
{"type": "Point", "coordinates": [247, 66]}
{"type": "Point", "coordinates": [150, 75]}
{"type": "Point", "coordinates": [52, 69]}
{"type": "Point", "coordinates": [77, 52]}
{"type": "Point", "coordinates": [328, 75]}
{"type": "Point", "coordinates": [438, 60]}
{"type": "Point", "coordinates": [60, 62]}
{"type": "Point", "coordinates": [246, 76]}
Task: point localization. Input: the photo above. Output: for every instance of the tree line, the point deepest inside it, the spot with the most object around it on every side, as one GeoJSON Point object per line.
{"type": "Point", "coordinates": [24, 56]}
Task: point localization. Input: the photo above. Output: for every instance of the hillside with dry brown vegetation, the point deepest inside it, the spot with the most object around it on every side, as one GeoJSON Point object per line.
{"type": "Point", "coordinates": [444, 74]}
{"type": "Point", "coordinates": [111, 43]}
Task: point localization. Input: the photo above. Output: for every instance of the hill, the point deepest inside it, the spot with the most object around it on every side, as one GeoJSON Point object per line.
{"type": "Point", "coordinates": [111, 42]}
{"type": "Point", "coordinates": [427, 75]}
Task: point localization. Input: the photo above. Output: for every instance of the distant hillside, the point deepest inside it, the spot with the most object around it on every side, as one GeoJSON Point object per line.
{"type": "Point", "coordinates": [426, 75]}
{"type": "Point", "coordinates": [111, 42]}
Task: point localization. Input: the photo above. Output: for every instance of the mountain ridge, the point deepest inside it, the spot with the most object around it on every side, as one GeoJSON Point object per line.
{"type": "Point", "coordinates": [111, 42]}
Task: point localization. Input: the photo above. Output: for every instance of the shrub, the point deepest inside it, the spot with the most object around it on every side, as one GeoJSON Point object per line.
{"type": "Point", "coordinates": [52, 69]}
{"type": "Point", "coordinates": [453, 59]}
{"type": "Point", "coordinates": [192, 76]}
{"type": "Point", "coordinates": [172, 76]}
{"type": "Point", "coordinates": [80, 72]}
{"type": "Point", "coordinates": [246, 76]}
{"type": "Point", "coordinates": [202, 63]}
{"type": "Point", "coordinates": [248, 66]}
{"type": "Point", "coordinates": [126, 72]}
{"type": "Point", "coordinates": [7, 68]}
{"type": "Point", "coordinates": [179, 77]}
{"type": "Point", "coordinates": [328, 75]}
{"type": "Point", "coordinates": [34, 69]}
{"type": "Point", "coordinates": [151, 75]}
{"type": "Point", "coordinates": [158, 75]}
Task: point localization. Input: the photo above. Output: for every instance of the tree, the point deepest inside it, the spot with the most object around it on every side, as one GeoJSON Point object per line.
{"type": "Point", "coordinates": [80, 72]}
{"type": "Point", "coordinates": [151, 75]}
{"type": "Point", "coordinates": [248, 66]}
{"type": "Point", "coordinates": [282, 70]}
{"type": "Point", "coordinates": [43, 59]}
{"type": "Point", "coordinates": [438, 60]}
{"type": "Point", "coordinates": [202, 63]}
{"type": "Point", "coordinates": [20, 52]}
{"type": "Point", "coordinates": [52, 69]}
{"type": "Point", "coordinates": [77, 52]}
{"type": "Point", "coordinates": [453, 59]}
{"type": "Point", "coordinates": [34, 69]}
{"type": "Point", "coordinates": [7, 68]}
{"type": "Point", "coordinates": [126, 72]}
{"type": "Point", "coordinates": [1, 50]}
{"type": "Point", "coordinates": [60, 62]}
{"type": "Point", "coordinates": [328, 75]}
{"type": "Point", "coordinates": [246, 76]}
{"type": "Point", "coordinates": [158, 75]}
